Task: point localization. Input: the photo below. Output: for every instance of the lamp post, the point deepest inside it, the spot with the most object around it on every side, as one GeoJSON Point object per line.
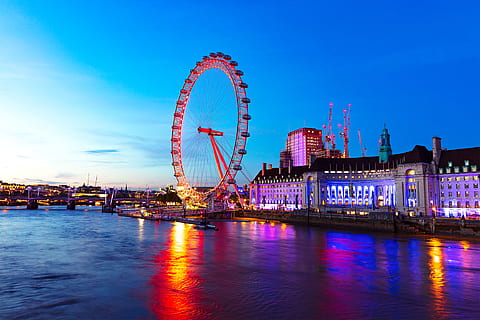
{"type": "Point", "coordinates": [184, 209]}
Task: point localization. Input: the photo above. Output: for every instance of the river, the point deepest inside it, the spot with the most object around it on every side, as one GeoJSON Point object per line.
{"type": "Point", "coordinates": [84, 264]}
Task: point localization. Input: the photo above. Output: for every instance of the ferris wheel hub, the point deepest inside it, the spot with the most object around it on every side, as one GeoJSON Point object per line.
{"type": "Point", "coordinates": [210, 132]}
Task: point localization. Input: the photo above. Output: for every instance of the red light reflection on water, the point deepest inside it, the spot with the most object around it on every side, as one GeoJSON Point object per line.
{"type": "Point", "coordinates": [175, 285]}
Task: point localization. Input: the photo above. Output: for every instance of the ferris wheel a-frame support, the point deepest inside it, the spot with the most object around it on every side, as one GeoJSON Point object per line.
{"type": "Point", "coordinates": [219, 159]}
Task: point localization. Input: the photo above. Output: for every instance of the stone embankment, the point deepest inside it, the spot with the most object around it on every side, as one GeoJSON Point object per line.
{"type": "Point", "coordinates": [383, 222]}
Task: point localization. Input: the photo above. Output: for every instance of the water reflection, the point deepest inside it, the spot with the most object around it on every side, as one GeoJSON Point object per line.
{"type": "Point", "coordinates": [140, 229]}
{"type": "Point", "coordinates": [175, 284]}
{"type": "Point", "coordinates": [80, 265]}
{"type": "Point", "coordinates": [437, 277]}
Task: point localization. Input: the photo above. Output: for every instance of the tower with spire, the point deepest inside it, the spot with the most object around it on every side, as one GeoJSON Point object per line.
{"type": "Point", "coordinates": [385, 148]}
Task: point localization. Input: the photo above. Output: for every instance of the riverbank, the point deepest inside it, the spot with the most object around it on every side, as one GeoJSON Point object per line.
{"type": "Point", "coordinates": [380, 222]}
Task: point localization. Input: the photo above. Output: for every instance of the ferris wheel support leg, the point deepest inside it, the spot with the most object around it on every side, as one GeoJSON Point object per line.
{"type": "Point", "coordinates": [218, 156]}
{"type": "Point", "coordinates": [220, 159]}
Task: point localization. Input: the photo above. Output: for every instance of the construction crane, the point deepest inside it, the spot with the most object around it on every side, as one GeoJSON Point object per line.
{"type": "Point", "coordinates": [363, 149]}
{"type": "Point", "coordinates": [329, 136]}
{"type": "Point", "coordinates": [345, 132]}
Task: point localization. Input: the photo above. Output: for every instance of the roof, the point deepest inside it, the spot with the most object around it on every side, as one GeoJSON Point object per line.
{"type": "Point", "coordinates": [458, 157]}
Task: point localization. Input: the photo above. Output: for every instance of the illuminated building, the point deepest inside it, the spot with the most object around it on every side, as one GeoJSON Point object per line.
{"type": "Point", "coordinates": [458, 179]}
{"type": "Point", "coordinates": [301, 145]}
{"type": "Point", "coordinates": [419, 182]}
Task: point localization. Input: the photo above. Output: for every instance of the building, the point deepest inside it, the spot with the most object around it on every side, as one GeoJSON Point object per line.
{"type": "Point", "coordinates": [418, 182]}
{"type": "Point", "coordinates": [301, 145]}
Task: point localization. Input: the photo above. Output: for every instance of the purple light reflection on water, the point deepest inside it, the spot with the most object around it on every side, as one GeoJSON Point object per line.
{"type": "Point", "coordinates": [65, 264]}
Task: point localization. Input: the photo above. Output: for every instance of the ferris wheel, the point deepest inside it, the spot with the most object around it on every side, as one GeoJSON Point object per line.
{"type": "Point", "coordinates": [210, 129]}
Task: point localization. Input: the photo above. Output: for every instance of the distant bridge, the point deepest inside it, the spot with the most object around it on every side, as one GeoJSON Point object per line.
{"type": "Point", "coordinates": [71, 201]}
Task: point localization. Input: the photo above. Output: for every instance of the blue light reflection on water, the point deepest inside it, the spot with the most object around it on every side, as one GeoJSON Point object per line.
{"type": "Point", "coordinates": [88, 264]}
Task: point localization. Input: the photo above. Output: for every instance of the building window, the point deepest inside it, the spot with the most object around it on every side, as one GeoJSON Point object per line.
{"type": "Point", "coordinates": [475, 185]}
{"type": "Point", "coordinates": [474, 168]}
{"type": "Point", "coordinates": [449, 186]}
{"type": "Point", "coordinates": [449, 204]}
{"type": "Point", "coordinates": [440, 170]}
{"type": "Point", "coordinates": [449, 194]}
{"type": "Point", "coordinates": [467, 204]}
{"type": "Point", "coordinates": [442, 194]}
{"type": "Point", "coordinates": [457, 186]}
{"type": "Point", "coordinates": [475, 194]}
{"type": "Point", "coordinates": [450, 163]}
{"type": "Point", "coordinates": [467, 194]}
{"type": "Point", "coordinates": [476, 204]}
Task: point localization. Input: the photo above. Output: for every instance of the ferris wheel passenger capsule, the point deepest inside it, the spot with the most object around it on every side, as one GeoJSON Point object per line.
{"type": "Point", "coordinates": [237, 167]}
{"type": "Point", "coordinates": [247, 117]}
{"type": "Point", "coordinates": [234, 63]}
{"type": "Point", "coordinates": [227, 57]}
{"type": "Point", "coordinates": [245, 134]}
{"type": "Point", "coordinates": [242, 151]}
{"type": "Point", "coordinates": [239, 73]}
{"type": "Point", "coordinates": [231, 181]}
{"type": "Point", "coordinates": [245, 100]}
{"type": "Point", "coordinates": [243, 85]}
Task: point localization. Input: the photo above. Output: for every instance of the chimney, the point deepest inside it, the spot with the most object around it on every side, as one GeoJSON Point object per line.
{"type": "Point", "coordinates": [264, 167]}
{"type": "Point", "coordinates": [290, 166]}
{"type": "Point", "coordinates": [270, 166]}
{"type": "Point", "coordinates": [436, 151]}
{"type": "Point", "coordinates": [311, 159]}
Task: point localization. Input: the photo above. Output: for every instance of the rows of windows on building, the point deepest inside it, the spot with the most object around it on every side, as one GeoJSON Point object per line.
{"type": "Point", "coordinates": [436, 182]}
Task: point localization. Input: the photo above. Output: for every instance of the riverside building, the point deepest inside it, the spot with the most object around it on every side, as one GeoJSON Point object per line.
{"type": "Point", "coordinates": [419, 182]}
{"type": "Point", "coordinates": [301, 145]}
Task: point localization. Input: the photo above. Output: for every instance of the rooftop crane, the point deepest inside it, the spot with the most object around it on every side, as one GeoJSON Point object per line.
{"type": "Point", "coordinates": [362, 148]}
{"type": "Point", "coordinates": [346, 131]}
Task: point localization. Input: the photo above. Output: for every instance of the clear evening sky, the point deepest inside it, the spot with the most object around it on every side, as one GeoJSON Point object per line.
{"type": "Point", "coordinates": [89, 87]}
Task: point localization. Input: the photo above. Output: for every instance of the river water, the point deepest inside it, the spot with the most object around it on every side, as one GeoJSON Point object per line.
{"type": "Point", "coordinates": [84, 264]}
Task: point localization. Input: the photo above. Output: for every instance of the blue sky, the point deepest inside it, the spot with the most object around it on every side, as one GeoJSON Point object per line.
{"type": "Point", "coordinates": [89, 87]}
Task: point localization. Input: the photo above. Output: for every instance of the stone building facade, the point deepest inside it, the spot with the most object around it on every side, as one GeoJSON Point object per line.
{"type": "Point", "coordinates": [420, 182]}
